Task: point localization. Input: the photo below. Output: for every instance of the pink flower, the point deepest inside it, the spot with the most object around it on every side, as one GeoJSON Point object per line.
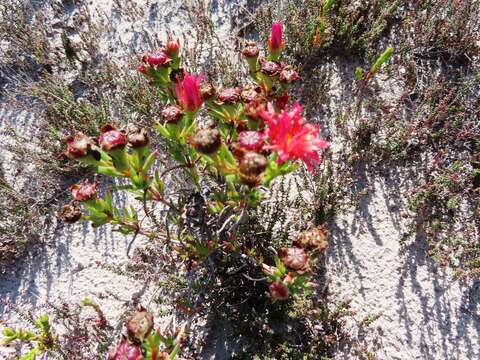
{"type": "Point", "coordinates": [188, 92]}
{"type": "Point", "coordinates": [251, 140]}
{"type": "Point", "coordinates": [275, 43]}
{"type": "Point", "coordinates": [157, 58]}
{"type": "Point", "coordinates": [110, 138]}
{"type": "Point", "coordinates": [84, 191]}
{"type": "Point", "coordinates": [126, 351]}
{"type": "Point", "coordinates": [291, 137]}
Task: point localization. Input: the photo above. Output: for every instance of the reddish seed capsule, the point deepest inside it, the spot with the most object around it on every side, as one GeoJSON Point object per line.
{"type": "Point", "coordinates": [78, 145]}
{"type": "Point", "coordinates": [70, 213]}
{"type": "Point", "coordinates": [110, 138]}
{"type": "Point", "coordinates": [207, 90]}
{"type": "Point", "coordinates": [295, 258]}
{"type": "Point", "coordinates": [251, 140]}
{"type": "Point", "coordinates": [139, 325]}
{"type": "Point", "coordinates": [84, 191]}
{"type": "Point", "coordinates": [288, 75]}
{"type": "Point", "coordinates": [251, 50]}
{"type": "Point", "coordinates": [172, 114]}
{"type": "Point", "coordinates": [270, 68]}
{"type": "Point", "coordinates": [157, 58]}
{"type": "Point", "coordinates": [136, 137]}
{"type": "Point", "coordinates": [206, 141]}
{"type": "Point", "coordinates": [279, 291]}
{"type": "Point", "coordinates": [253, 163]}
{"type": "Point", "coordinates": [229, 96]}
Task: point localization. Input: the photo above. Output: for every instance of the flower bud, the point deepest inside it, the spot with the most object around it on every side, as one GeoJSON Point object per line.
{"type": "Point", "coordinates": [84, 191]}
{"type": "Point", "coordinates": [275, 43]}
{"type": "Point", "coordinates": [157, 58]}
{"type": "Point", "coordinates": [136, 137]}
{"type": "Point", "coordinates": [270, 68]}
{"type": "Point", "coordinates": [70, 213]}
{"type": "Point", "coordinates": [251, 50]}
{"type": "Point", "coordinates": [253, 163]}
{"type": "Point", "coordinates": [172, 47]}
{"type": "Point", "coordinates": [207, 90]}
{"type": "Point", "coordinates": [110, 138]}
{"type": "Point", "coordinates": [295, 258]}
{"type": "Point", "coordinates": [279, 291]}
{"type": "Point", "coordinates": [206, 141]}
{"type": "Point", "coordinates": [229, 96]}
{"type": "Point", "coordinates": [126, 351]}
{"type": "Point", "coordinates": [139, 325]}
{"type": "Point", "coordinates": [78, 145]}
{"type": "Point", "coordinates": [250, 93]}
{"type": "Point", "coordinates": [288, 75]}
{"type": "Point", "coordinates": [171, 114]}
{"type": "Point", "coordinates": [251, 140]}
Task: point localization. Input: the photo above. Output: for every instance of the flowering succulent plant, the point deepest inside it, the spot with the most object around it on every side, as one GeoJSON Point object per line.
{"type": "Point", "coordinates": [239, 139]}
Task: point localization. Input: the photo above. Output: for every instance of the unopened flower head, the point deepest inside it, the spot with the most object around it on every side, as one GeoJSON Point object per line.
{"type": "Point", "coordinates": [173, 47]}
{"type": "Point", "coordinates": [291, 138]}
{"type": "Point", "coordinates": [295, 258]}
{"type": "Point", "coordinates": [188, 92]}
{"type": "Point", "coordinates": [275, 42]}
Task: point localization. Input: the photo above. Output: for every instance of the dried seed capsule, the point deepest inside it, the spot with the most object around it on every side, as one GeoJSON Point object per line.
{"type": "Point", "coordinates": [70, 213]}
{"type": "Point", "coordinates": [172, 114]}
{"type": "Point", "coordinates": [206, 141]}
{"type": "Point", "coordinates": [253, 163]}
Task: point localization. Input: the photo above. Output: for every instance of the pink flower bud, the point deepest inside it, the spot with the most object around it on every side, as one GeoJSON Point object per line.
{"type": "Point", "coordinates": [126, 351]}
{"type": "Point", "coordinates": [275, 43]}
{"type": "Point", "coordinates": [84, 191]}
{"type": "Point", "coordinates": [188, 92]}
{"type": "Point", "coordinates": [157, 58]}
{"type": "Point", "coordinates": [251, 140]}
{"type": "Point", "coordinates": [110, 138]}
{"type": "Point", "coordinates": [173, 47]}
{"type": "Point", "coordinates": [279, 291]}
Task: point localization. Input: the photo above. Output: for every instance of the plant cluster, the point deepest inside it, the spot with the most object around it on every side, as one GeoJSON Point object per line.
{"type": "Point", "coordinates": [229, 143]}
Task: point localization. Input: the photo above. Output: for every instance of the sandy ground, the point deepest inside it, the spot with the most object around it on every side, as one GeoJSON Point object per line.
{"type": "Point", "coordinates": [424, 314]}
